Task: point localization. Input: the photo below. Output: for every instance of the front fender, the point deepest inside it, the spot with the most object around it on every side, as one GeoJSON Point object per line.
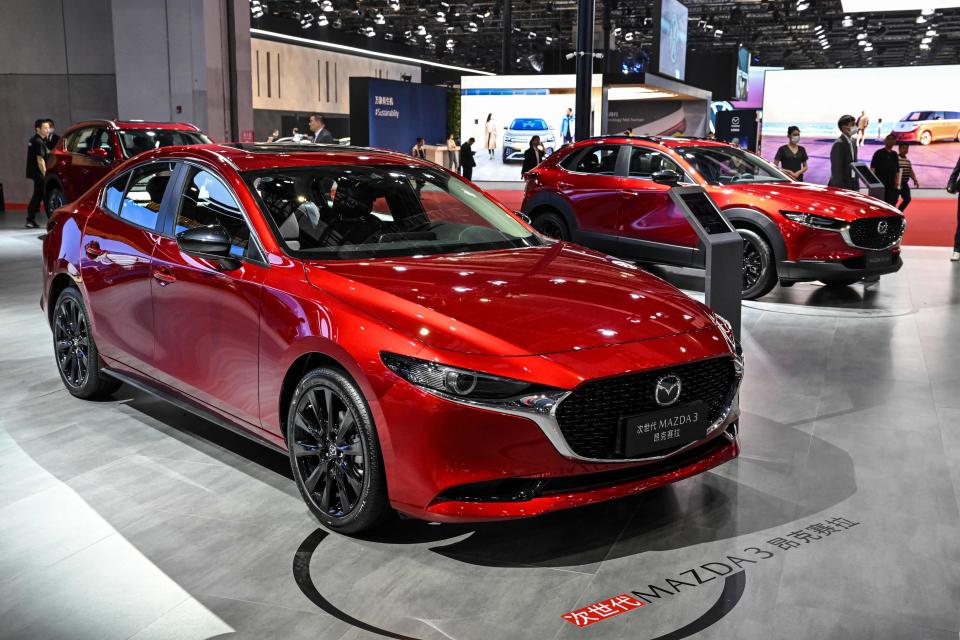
{"type": "Point", "coordinates": [763, 222]}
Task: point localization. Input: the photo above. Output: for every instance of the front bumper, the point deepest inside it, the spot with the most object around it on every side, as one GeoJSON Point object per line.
{"type": "Point", "coordinates": [448, 461]}
{"type": "Point", "coordinates": [826, 270]}
{"type": "Point", "coordinates": [906, 136]}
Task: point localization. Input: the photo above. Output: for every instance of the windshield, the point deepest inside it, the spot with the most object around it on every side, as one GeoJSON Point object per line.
{"type": "Point", "coordinates": [349, 212]}
{"type": "Point", "coordinates": [729, 165]}
{"type": "Point", "coordinates": [136, 141]}
{"type": "Point", "coordinates": [915, 116]}
{"type": "Point", "coordinates": [529, 124]}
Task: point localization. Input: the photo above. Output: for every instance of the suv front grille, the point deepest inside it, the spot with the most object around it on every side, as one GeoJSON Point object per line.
{"type": "Point", "coordinates": [866, 232]}
{"type": "Point", "coordinates": [590, 416]}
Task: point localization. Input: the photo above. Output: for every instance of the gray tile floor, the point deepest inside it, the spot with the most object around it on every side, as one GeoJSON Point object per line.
{"type": "Point", "coordinates": [131, 519]}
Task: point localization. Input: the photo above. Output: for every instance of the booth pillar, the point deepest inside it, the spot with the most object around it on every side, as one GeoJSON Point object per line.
{"type": "Point", "coordinates": [585, 17]}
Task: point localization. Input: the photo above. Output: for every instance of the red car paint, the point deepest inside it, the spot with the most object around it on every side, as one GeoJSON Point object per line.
{"type": "Point", "coordinates": [633, 217]}
{"type": "Point", "coordinates": [72, 169]}
{"type": "Point", "coordinates": [224, 340]}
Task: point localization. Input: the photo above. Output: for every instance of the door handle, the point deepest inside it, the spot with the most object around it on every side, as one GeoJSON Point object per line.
{"type": "Point", "coordinates": [93, 250]}
{"type": "Point", "coordinates": [163, 276]}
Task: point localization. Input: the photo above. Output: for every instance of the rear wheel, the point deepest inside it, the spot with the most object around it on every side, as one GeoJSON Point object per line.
{"type": "Point", "coordinates": [335, 454]}
{"type": "Point", "coordinates": [78, 360]}
{"type": "Point", "coordinates": [926, 137]}
{"type": "Point", "coordinates": [759, 268]}
{"type": "Point", "coordinates": [55, 198]}
{"type": "Point", "coordinates": [552, 225]}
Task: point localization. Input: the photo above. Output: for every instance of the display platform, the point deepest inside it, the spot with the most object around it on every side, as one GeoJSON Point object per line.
{"type": "Point", "coordinates": [130, 519]}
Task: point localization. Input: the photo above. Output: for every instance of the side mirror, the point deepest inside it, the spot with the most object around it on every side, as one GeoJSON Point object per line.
{"type": "Point", "coordinates": [666, 176]}
{"type": "Point", "coordinates": [212, 241]}
{"type": "Point", "coordinates": [99, 153]}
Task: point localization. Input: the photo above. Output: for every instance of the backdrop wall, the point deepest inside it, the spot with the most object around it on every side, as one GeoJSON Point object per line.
{"type": "Point", "coordinates": [391, 115]}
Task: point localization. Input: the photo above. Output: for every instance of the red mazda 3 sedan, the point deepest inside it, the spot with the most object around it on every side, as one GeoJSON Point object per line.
{"type": "Point", "coordinates": [611, 194]}
{"type": "Point", "coordinates": [407, 341]}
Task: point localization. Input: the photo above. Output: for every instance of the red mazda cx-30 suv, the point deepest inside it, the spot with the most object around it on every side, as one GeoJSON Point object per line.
{"type": "Point", "coordinates": [90, 150]}
{"type": "Point", "coordinates": [405, 339]}
{"type": "Point", "coordinates": [611, 194]}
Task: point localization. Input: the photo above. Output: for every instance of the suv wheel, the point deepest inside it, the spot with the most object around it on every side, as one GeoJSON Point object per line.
{"type": "Point", "coordinates": [552, 225]}
{"type": "Point", "coordinates": [759, 267]}
{"type": "Point", "coordinates": [926, 137]}
{"type": "Point", "coordinates": [55, 198]}
{"type": "Point", "coordinates": [78, 360]}
{"type": "Point", "coordinates": [334, 452]}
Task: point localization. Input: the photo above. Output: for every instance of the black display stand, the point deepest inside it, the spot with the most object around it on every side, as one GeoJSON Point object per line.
{"type": "Point", "coordinates": [724, 251]}
{"type": "Point", "coordinates": [869, 179]}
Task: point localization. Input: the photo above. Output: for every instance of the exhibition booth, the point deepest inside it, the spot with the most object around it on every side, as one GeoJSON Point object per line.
{"type": "Point", "coordinates": [626, 376]}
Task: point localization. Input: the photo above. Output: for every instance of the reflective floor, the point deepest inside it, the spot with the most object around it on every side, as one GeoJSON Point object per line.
{"type": "Point", "coordinates": [130, 519]}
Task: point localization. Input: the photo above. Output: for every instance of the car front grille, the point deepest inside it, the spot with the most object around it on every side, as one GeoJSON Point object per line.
{"type": "Point", "coordinates": [876, 233]}
{"type": "Point", "coordinates": [590, 417]}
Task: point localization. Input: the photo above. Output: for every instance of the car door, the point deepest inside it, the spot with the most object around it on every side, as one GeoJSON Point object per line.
{"type": "Point", "coordinates": [588, 181]}
{"type": "Point", "coordinates": [648, 224]}
{"type": "Point", "coordinates": [207, 311]}
{"type": "Point", "coordinates": [117, 243]}
{"type": "Point", "coordinates": [91, 159]}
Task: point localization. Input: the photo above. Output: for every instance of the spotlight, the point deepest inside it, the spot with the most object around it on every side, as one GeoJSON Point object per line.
{"type": "Point", "coordinates": [306, 21]}
{"type": "Point", "coordinates": [629, 36]}
{"type": "Point", "coordinates": [803, 6]}
{"type": "Point", "coordinates": [861, 36]}
{"type": "Point", "coordinates": [531, 36]}
{"type": "Point", "coordinates": [924, 46]}
{"type": "Point", "coordinates": [548, 40]}
{"type": "Point", "coordinates": [869, 47]}
{"type": "Point", "coordinates": [421, 30]}
{"type": "Point", "coordinates": [847, 21]}
{"type": "Point", "coordinates": [932, 33]}
{"type": "Point", "coordinates": [926, 40]}
{"type": "Point", "coordinates": [394, 5]}
{"type": "Point", "coordinates": [450, 44]}
{"type": "Point", "coordinates": [379, 19]}
{"type": "Point", "coordinates": [718, 33]}
{"type": "Point", "coordinates": [927, 11]}
{"type": "Point", "coordinates": [441, 16]}
{"type": "Point", "coordinates": [921, 20]}
{"type": "Point", "coordinates": [369, 32]}
{"type": "Point", "coordinates": [256, 9]}
{"type": "Point", "coordinates": [617, 31]}
{"type": "Point", "coordinates": [388, 36]}
{"type": "Point", "coordinates": [472, 27]}
{"type": "Point", "coordinates": [326, 6]}
{"type": "Point", "coordinates": [322, 21]}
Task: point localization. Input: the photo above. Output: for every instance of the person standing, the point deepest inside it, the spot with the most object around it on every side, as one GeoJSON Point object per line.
{"type": "Point", "coordinates": [467, 163]}
{"type": "Point", "coordinates": [490, 135]}
{"type": "Point", "coordinates": [842, 154]}
{"type": "Point", "coordinates": [452, 153]}
{"type": "Point", "coordinates": [862, 123]}
{"type": "Point", "coordinates": [37, 152]}
{"type": "Point", "coordinates": [954, 187]}
{"type": "Point", "coordinates": [319, 131]}
{"type": "Point", "coordinates": [886, 164]}
{"type": "Point", "coordinates": [418, 150]}
{"type": "Point", "coordinates": [791, 157]}
{"type": "Point", "coordinates": [906, 174]}
{"type": "Point", "coordinates": [53, 138]}
{"type": "Point", "coordinates": [567, 127]}
{"type": "Point", "coordinates": [532, 156]}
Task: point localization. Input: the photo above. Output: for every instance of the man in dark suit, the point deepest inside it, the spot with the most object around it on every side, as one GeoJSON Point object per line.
{"type": "Point", "coordinates": [318, 129]}
{"type": "Point", "coordinates": [953, 186]}
{"type": "Point", "coordinates": [532, 156]}
{"type": "Point", "coordinates": [843, 152]}
{"type": "Point", "coordinates": [467, 163]}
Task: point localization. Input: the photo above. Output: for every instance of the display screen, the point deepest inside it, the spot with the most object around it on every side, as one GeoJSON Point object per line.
{"type": "Point", "coordinates": [923, 113]}
{"type": "Point", "coordinates": [672, 43]}
{"type": "Point", "coordinates": [706, 212]}
{"type": "Point", "coordinates": [742, 87]}
{"type": "Point", "coordinates": [867, 177]}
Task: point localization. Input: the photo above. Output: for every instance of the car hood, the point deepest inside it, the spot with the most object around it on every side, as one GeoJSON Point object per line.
{"type": "Point", "coordinates": [517, 302]}
{"type": "Point", "coordinates": [832, 202]}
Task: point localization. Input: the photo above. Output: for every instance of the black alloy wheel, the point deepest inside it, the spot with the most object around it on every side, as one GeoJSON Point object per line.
{"type": "Point", "coordinates": [333, 453]}
{"type": "Point", "coordinates": [551, 225]}
{"type": "Point", "coordinates": [55, 199]}
{"type": "Point", "coordinates": [78, 360]}
{"type": "Point", "coordinates": [759, 270]}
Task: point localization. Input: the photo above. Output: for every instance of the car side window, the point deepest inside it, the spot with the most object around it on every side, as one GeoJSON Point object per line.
{"type": "Point", "coordinates": [78, 140]}
{"type": "Point", "coordinates": [113, 194]}
{"type": "Point", "coordinates": [937, 115]}
{"type": "Point", "coordinates": [644, 162]}
{"type": "Point", "coordinates": [142, 200]}
{"type": "Point", "coordinates": [600, 160]}
{"type": "Point", "coordinates": [206, 201]}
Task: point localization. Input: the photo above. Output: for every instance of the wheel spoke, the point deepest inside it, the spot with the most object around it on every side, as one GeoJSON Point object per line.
{"type": "Point", "coordinates": [345, 502]}
{"type": "Point", "coordinates": [310, 482]}
{"type": "Point", "coordinates": [304, 450]}
{"type": "Point", "coordinates": [346, 423]}
{"type": "Point", "coordinates": [352, 449]}
{"type": "Point", "coordinates": [327, 493]}
{"type": "Point", "coordinates": [315, 409]}
{"type": "Point", "coordinates": [328, 409]}
{"type": "Point", "coordinates": [63, 345]}
{"type": "Point", "coordinates": [353, 479]}
{"type": "Point", "coordinates": [300, 421]}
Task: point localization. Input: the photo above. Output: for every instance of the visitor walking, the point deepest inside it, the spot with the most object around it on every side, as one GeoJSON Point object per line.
{"type": "Point", "coordinates": [490, 135]}
{"type": "Point", "coordinates": [886, 164]}
{"type": "Point", "coordinates": [843, 153]}
{"type": "Point", "coordinates": [452, 149]}
{"type": "Point", "coordinates": [906, 175]}
{"type": "Point", "coordinates": [37, 152]}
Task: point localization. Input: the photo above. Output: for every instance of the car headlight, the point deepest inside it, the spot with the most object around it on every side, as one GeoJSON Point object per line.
{"type": "Point", "coordinates": [727, 330]}
{"type": "Point", "coordinates": [459, 383]}
{"type": "Point", "coordinates": [813, 220]}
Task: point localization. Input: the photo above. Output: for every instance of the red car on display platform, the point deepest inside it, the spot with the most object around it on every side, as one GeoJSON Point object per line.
{"type": "Point", "coordinates": [406, 340]}
{"type": "Point", "coordinates": [90, 150]}
{"type": "Point", "coordinates": [611, 194]}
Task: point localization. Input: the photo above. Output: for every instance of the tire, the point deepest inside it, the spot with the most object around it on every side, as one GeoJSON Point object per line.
{"type": "Point", "coordinates": [925, 138]}
{"type": "Point", "coordinates": [336, 463]}
{"type": "Point", "coordinates": [759, 265]}
{"type": "Point", "coordinates": [552, 225]}
{"type": "Point", "coordinates": [75, 350]}
{"type": "Point", "coordinates": [54, 198]}
{"type": "Point", "coordinates": [842, 282]}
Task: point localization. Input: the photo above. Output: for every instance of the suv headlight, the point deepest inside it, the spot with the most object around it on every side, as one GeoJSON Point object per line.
{"type": "Point", "coordinates": [463, 384]}
{"type": "Point", "coordinates": [813, 220]}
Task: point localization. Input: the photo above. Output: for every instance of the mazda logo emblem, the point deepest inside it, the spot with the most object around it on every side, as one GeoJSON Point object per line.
{"type": "Point", "coordinates": [882, 227]}
{"type": "Point", "coordinates": [667, 390]}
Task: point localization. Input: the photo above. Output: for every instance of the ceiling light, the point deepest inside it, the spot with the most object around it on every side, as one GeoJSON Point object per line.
{"type": "Point", "coordinates": [924, 46]}
{"type": "Point", "coordinates": [803, 6]}
{"type": "Point", "coordinates": [394, 5]}
{"type": "Point", "coordinates": [847, 21]}
{"type": "Point", "coordinates": [472, 27]}
{"type": "Point", "coordinates": [826, 46]}
{"type": "Point", "coordinates": [718, 33]}
{"type": "Point", "coordinates": [617, 31]}
{"type": "Point", "coordinates": [819, 27]}
{"type": "Point", "coordinates": [926, 40]}
{"type": "Point", "coordinates": [531, 36]}
{"type": "Point", "coordinates": [421, 30]}
{"type": "Point", "coordinates": [441, 16]}
{"type": "Point", "coordinates": [548, 40]}
{"type": "Point", "coordinates": [869, 47]}
{"type": "Point", "coordinates": [379, 19]}
{"type": "Point", "coordinates": [322, 21]}
{"type": "Point", "coordinates": [921, 19]}
{"type": "Point", "coordinates": [932, 32]}
{"type": "Point", "coordinates": [861, 36]}
{"type": "Point", "coordinates": [306, 21]}
{"type": "Point", "coordinates": [326, 6]}
{"type": "Point", "coordinates": [629, 37]}
{"type": "Point", "coordinates": [369, 32]}
{"type": "Point", "coordinates": [926, 11]}
{"type": "Point", "coordinates": [256, 9]}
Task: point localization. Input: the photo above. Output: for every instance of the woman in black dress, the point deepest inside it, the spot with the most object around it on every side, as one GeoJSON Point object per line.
{"type": "Point", "coordinates": [791, 157]}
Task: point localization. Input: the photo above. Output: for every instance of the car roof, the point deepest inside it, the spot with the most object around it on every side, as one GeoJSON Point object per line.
{"type": "Point", "coordinates": [136, 124]}
{"type": "Point", "coordinates": [668, 142]}
{"type": "Point", "coordinates": [255, 156]}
